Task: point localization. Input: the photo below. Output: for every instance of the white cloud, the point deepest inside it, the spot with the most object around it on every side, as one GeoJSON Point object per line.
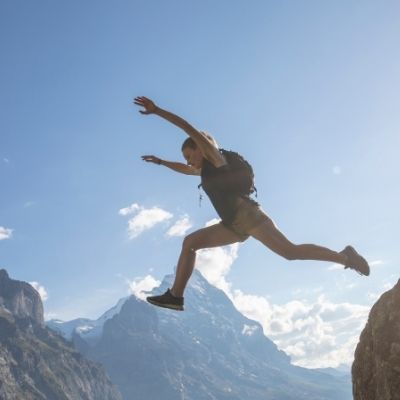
{"type": "Point", "coordinates": [141, 285]}
{"type": "Point", "coordinates": [6, 160]}
{"type": "Point", "coordinates": [390, 282]}
{"type": "Point", "coordinates": [129, 210]}
{"type": "Point", "coordinates": [215, 263]}
{"type": "Point", "coordinates": [40, 289]}
{"type": "Point", "coordinates": [50, 315]}
{"type": "Point", "coordinates": [373, 296]}
{"type": "Point", "coordinates": [376, 263]}
{"type": "Point", "coordinates": [386, 285]}
{"type": "Point", "coordinates": [212, 222]}
{"type": "Point", "coordinates": [145, 218]}
{"type": "Point", "coordinates": [180, 227]}
{"type": "Point", "coordinates": [335, 267]}
{"type": "Point", "coordinates": [5, 233]}
{"type": "Point", "coordinates": [318, 334]}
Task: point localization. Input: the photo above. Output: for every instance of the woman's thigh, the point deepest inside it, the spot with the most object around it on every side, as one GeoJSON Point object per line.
{"type": "Point", "coordinates": [269, 234]}
{"type": "Point", "coordinates": [212, 236]}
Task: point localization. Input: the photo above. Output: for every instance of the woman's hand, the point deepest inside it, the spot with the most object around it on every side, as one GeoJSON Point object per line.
{"type": "Point", "coordinates": [149, 106]}
{"type": "Point", "coordinates": [152, 159]}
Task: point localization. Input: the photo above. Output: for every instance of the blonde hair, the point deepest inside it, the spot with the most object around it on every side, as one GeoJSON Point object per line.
{"type": "Point", "coordinates": [189, 142]}
{"type": "Point", "coordinates": [210, 138]}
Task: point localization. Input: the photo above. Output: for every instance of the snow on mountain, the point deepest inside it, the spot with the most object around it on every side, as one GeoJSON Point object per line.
{"type": "Point", "coordinates": [86, 328]}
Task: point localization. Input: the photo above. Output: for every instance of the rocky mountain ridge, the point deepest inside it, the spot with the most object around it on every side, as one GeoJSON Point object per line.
{"type": "Point", "coordinates": [20, 299]}
{"type": "Point", "coordinates": [35, 362]}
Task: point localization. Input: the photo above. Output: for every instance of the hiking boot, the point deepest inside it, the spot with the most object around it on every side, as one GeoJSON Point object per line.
{"type": "Point", "coordinates": [167, 300]}
{"type": "Point", "coordinates": [356, 261]}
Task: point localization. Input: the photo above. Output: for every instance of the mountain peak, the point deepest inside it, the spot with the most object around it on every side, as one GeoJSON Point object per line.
{"type": "Point", "coordinates": [3, 274]}
{"type": "Point", "coordinates": [20, 299]}
{"type": "Point", "coordinates": [210, 350]}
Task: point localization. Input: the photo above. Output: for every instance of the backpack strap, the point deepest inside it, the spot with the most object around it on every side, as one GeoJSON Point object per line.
{"type": "Point", "coordinates": [200, 194]}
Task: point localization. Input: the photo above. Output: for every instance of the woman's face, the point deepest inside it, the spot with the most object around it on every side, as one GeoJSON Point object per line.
{"type": "Point", "coordinates": [193, 157]}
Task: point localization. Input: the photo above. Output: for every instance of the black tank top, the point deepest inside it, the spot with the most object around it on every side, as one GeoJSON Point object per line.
{"type": "Point", "coordinates": [219, 187]}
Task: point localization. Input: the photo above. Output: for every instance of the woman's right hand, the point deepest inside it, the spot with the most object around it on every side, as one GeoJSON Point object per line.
{"type": "Point", "coordinates": [152, 159]}
{"type": "Point", "coordinates": [148, 105]}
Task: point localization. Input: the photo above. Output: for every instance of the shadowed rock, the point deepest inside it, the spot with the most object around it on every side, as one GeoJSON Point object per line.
{"type": "Point", "coordinates": [20, 299]}
{"type": "Point", "coordinates": [376, 367]}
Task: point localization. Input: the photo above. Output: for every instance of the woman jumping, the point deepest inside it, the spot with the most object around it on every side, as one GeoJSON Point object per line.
{"type": "Point", "coordinates": [241, 216]}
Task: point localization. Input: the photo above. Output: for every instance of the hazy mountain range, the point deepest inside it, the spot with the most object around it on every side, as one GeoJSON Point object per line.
{"type": "Point", "coordinates": [209, 351]}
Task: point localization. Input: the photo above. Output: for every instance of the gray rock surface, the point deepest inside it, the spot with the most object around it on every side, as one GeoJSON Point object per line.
{"type": "Point", "coordinates": [20, 299]}
{"type": "Point", "coordinates": [376, 367]}
{"type": "Point", "coordinates": [35, 362]}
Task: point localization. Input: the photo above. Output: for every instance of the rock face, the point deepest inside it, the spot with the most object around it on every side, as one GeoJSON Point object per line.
{"type": "Point", "coordinates": [376, 368]}
{"type": "Point", "coordinates": [20, 299]}
{"type": "Point", "coordinates": [36, 363]}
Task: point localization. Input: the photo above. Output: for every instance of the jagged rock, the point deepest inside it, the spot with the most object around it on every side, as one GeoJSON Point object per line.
{"type": "Point", "coordinates": [376, 367]}
{"type": "Point", "coordinates": [20, 299]}
{"type": "Point", "coordinates": [35, 362]}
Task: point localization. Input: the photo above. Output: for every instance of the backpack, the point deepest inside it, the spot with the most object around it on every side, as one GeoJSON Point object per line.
{"type": "Point", "coordinates": [240, 175]}
{"type": "Point", "coordinates": [242, 172]}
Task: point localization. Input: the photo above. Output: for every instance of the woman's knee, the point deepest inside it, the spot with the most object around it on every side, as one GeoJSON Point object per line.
{"type": "Point", "coordinates": [190, 243]}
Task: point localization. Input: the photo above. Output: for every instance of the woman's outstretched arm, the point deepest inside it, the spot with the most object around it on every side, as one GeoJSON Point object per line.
{"type": "Point", "coordinates": [175, 166]}
{"type": "Point", "coordinates": [206, 146]}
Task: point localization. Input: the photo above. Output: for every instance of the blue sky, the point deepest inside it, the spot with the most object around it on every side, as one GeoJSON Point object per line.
{"type": "Point", "coordinates": [307, 91]}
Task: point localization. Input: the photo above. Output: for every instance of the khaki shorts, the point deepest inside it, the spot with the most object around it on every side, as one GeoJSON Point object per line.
{"type": "Point", "coordinates": [248, 216]}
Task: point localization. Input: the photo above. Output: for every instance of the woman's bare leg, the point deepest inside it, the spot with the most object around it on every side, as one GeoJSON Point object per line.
{"type": "Point", "coordinates": [213, 236]}
{"type": "Point", "coordinates": [268, 234]}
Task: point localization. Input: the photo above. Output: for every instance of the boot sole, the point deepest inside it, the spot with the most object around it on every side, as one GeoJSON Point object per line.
{"type": "Point", "coordinates": [163, 305]}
